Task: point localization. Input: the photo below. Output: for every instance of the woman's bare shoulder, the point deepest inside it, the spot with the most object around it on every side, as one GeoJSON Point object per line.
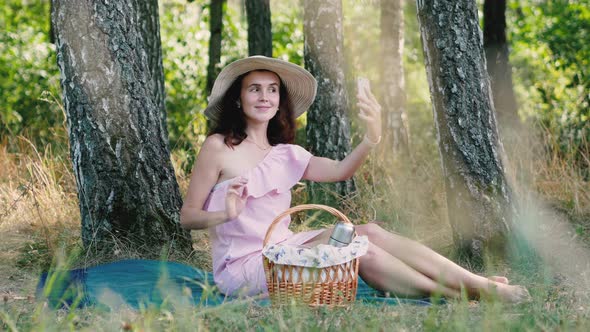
{"type": "Point", "coordinates": [211, 149]}
{"type": "Point", "coordinates": [215, 140]}
{"type": "Point", "coordinates": [211, 157]}
{"type": "Point", "coordinates": [214, 143]}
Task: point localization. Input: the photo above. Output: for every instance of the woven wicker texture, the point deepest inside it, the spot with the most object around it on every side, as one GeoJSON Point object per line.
{"type": "Point", "coordinates": [329, 286]}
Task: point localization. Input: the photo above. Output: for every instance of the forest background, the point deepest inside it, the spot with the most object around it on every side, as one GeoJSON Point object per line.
{"type": "Point", "coordinates": [549, 53]}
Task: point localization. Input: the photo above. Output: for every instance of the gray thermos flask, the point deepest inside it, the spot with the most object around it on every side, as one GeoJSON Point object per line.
{"type": "Point", "coordinates": [341, 235]}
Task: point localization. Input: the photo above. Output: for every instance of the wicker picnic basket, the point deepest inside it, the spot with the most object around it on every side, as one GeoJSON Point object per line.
{"type": "Point", "coordinates": [330, 286]}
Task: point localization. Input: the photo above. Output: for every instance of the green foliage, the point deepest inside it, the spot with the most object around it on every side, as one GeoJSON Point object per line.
{"type": "Point", "coordinates": [548, 39]}
{"type": "Point", "coordinates": [185, 42]}
{"type": "Point", "coordinates": [287, 32]}
{"type": "Point", "coordinates": [551, 58]}
{"type": "Point", "coordinates": [28, 72]}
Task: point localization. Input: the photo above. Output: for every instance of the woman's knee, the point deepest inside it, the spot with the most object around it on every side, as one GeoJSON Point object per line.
{"type": "Point", "coordinates": [375, 256]}
{"type": "Point", "coordinates": [371, 230]}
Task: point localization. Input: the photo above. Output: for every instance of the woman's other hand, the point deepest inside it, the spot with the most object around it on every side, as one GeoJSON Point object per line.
{"type": "Point", "coordinates": [236, 197]}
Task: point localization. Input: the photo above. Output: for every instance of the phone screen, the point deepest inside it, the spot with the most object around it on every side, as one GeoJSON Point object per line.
{"type": "Point", "coordinates": [363, 85]}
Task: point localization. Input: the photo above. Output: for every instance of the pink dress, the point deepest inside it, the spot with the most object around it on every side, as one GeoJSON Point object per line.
{"type": "Point", "coordinates": [237, 244]}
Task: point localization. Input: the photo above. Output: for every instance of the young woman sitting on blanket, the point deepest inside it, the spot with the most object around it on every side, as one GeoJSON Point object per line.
{"type": "Point", "coordinates": [245, 170]}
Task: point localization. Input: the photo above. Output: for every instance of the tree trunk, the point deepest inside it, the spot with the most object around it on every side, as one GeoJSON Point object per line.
{"type": "Point", "coordinates": [499, 69]}
{"type": "Point", "coordinates": [127, 190]}
{"type": "Point", "coordinates": [479, 199]}
{"type": "Point", "coordinates": [216, 28]}
{"type": "Point", "coordinates": [328, 128]}
{"type": "Point", "coordinates": [51, 30]}
{"type": "Point", "coordinates": [259, 27]}
{"type": "Point", "coordinates": [149, 28]}
{"type": "Point", "coordinates": [392, 71]}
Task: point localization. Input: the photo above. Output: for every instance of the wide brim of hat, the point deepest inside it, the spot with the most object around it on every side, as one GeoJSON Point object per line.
{"type": "Point", "coordinates": [301, 86]}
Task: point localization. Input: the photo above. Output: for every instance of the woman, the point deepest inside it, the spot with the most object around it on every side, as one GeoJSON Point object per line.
{"type": "Point", "coordinates": [246, 168]}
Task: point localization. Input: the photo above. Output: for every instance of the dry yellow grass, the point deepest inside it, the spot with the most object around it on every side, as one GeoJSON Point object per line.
{"type": "Point", "coordinates": [37, 191]}
{"type": "Point", "coordinates": [537, 164]}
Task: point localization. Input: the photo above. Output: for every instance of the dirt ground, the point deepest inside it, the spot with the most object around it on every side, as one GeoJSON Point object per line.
{"type": "Point", "coordinates": [16, 284]}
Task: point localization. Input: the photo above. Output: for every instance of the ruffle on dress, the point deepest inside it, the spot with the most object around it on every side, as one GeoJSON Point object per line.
{"type": "Point", "coordinates": [278, 172]}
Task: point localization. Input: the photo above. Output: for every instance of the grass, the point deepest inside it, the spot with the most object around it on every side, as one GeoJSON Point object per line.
{"type": "Point", "coordinates": [39, 225]}
{"type": "Point", "coordinates": [542, 314]}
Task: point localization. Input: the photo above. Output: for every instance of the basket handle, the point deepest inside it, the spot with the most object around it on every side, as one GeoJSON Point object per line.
{"type": "Point", "coordinates": [299, 208]}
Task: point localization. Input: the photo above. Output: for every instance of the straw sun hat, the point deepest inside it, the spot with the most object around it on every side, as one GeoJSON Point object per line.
{"type": "Point", "coordinates": [300, 84]}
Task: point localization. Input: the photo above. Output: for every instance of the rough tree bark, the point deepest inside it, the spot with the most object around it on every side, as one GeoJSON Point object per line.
{"type": "Point", "coordinates": [397, 131]}
{"type": "Point", "coordinates": [479, 201]}
{"type": "Point", "coordinates": [118, 142]}
{"type": "Point", "coordinates": [497, 56]}
{"type": "Point", "coordinates": [259, 27]}
{"type": "Point", "coordinates": [216, 29]}
{"type": "Point", "coordinates": [328, 126]}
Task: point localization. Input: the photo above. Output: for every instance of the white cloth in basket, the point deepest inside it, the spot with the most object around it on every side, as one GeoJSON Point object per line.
{"type": "Point", "coordinates": [322, 255]}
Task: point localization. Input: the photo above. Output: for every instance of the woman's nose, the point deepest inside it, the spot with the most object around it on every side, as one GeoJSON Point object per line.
{"type": "Point", "coordinates": [263, 95]}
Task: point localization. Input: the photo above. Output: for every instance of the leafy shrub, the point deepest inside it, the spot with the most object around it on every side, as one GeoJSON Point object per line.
{"type": "Point", "coordinates": [28, 71]}
{"type": "Point", "coordinates": [551, 58]}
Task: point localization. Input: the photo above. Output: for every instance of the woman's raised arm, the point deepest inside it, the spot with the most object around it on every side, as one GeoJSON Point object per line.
{"type": "Point", "coordinates": [322, 169]}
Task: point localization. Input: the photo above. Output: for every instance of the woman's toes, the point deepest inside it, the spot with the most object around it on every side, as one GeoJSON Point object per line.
{"type": "Point", "coordinates": [500, 279]}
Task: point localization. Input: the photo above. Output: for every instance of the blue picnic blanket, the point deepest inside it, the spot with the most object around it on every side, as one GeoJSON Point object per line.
{"type": "Point", "coordinates": [143, 283]}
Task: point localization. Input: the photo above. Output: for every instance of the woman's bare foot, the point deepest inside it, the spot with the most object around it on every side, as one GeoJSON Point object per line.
{"type": "Point", "coordinates": [511, 294]}
{"type": "Point", "coordinates": [499, 279]}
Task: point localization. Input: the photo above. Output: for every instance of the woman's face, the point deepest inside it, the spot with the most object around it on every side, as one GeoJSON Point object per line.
{"type": "Point", "coordinates": [260, 96]}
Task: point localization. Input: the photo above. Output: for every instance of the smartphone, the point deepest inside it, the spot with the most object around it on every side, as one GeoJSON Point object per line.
{"type": "Point", "coordinates": [363, 86]}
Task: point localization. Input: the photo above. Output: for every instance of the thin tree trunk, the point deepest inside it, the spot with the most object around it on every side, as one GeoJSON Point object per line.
{"type": "Point", "coordinates": [216, 28]}
{"type": "Point", "coordinates": [328, 126]}
{"type": "Point", "coordinates": [51, 30]}
{"type": "Point", "coordinates": [479, 199]}
{"type": "Point", "coordinates": [129, 198]}
{"type": "Point", "coordinates": [149, 27]}
{"type": "Point", "coordinates": [259, 27]}
{"type": "Point", "coordinates": [397, 131]}
{"type": "Point", "coordinates": [498, 64]}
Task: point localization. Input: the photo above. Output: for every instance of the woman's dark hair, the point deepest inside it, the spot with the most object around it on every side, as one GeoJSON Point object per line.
{"type": "Point", "coordinates": [232, 120]}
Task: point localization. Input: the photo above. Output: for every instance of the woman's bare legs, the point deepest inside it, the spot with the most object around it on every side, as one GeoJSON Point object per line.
{"type": "Point", "coordinates": [397, 277]}
{"type": "Point", "coordinates": [437, 267]}
{"type": "Point", "coordinates": [407, 255]}
{"type": "Point", "coordinates": [387, 273]}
